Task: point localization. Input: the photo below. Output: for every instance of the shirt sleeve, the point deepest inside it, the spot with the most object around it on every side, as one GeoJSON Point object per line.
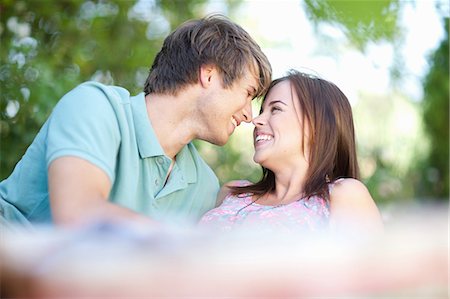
{"type": "Point", "coordinates": [84, 125]}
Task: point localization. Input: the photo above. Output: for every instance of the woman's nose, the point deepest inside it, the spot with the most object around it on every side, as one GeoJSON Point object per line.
{"type": "Point", "coordinates": [258, 121]}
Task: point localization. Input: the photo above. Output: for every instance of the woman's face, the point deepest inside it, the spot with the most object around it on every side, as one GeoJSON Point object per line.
{"type": "Point", "coordinates": [278, 134]}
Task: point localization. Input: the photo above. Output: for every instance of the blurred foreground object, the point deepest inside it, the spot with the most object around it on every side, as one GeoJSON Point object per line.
{"type": "Point", "coordinates": [105, 260]}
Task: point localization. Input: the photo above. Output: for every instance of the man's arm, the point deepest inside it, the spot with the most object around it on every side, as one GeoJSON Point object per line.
{"type": "Point", "coordinates": [79, 191]}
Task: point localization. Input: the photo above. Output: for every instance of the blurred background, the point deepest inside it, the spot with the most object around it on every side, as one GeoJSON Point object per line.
{"type": "Point", "coordinates": [390, 57]}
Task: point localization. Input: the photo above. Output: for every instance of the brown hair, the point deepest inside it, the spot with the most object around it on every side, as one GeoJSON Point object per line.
{"type": "Point", "coordinates": [328, 114]}
{"type": "Point", "coordinates": [212, 40]}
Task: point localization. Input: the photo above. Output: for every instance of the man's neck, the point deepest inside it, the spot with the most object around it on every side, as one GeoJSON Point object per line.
{"type": "Point", "coordinates": [170, 117]}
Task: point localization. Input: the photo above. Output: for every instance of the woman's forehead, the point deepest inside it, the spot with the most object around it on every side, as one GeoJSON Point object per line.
{"type": "Point", "coordinates": [280, 92]}
{"type": "Point", "coordinates": [286, 93]}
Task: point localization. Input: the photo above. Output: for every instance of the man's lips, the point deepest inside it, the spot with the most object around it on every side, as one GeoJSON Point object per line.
{"type": "Point", "coordinates": [236, 122]}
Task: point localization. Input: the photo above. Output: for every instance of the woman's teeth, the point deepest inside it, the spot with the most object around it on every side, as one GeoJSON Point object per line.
{"type": "Point", "coordinates": [263, 137]}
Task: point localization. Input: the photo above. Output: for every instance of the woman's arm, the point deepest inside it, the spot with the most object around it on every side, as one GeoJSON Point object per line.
{"type": "Point", "coordinates": [352, 209]}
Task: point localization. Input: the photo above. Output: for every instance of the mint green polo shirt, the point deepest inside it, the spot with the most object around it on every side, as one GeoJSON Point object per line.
{"type": "Point", "coordinates": [111, 129]}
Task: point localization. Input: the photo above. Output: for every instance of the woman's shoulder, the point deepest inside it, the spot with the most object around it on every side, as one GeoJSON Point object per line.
{"type": "Point", "coordinates": [349, 188]}
{"type": "Point", "coordinates": [236, 183]}
{"type": "Point", "coordinates": [353, 208]}
{"type": "Point", "coordinates": [350, 194]}
{"type": "Point", "coordinates": [225, 191]}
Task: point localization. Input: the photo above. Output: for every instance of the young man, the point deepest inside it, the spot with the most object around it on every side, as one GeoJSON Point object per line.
{"type": "Point", "coordinates": [105, 154]}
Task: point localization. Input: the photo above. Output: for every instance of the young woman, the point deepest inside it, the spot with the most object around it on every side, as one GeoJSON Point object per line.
{"type": "Point", "coordinates": [304, 140]}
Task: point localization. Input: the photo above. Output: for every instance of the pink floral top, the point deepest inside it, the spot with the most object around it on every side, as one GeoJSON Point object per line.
{"type": "Point", "coordinates": [311, 214]}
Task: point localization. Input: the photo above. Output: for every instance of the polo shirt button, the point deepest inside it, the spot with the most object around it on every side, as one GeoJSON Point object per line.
{"type": "Point", "coordinates": [156, 182]}
{"type": "Point", "coordinates": [160, 160]}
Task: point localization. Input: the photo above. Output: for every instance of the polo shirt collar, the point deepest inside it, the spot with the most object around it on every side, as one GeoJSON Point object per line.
{"type": "Point", "coordinates": [149, 146]}
{"type": "Point", "coordinates": [146, 140]}
{"type": "Point", "coordinates": [186, 162]}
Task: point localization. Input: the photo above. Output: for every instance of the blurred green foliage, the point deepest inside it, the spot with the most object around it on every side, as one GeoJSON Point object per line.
{"type": "Point", "coordinates": [49, 47]}
{"type": "Point", "coordinates": [390, 139]}
{"type": "Point", "coordinates": [361, 21]}
{"type": "Point", "coordinates": [434, 179]}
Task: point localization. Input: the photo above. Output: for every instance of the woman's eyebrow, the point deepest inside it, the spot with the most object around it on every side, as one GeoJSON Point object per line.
{"type": "Point", "coordinates": [276, 101]}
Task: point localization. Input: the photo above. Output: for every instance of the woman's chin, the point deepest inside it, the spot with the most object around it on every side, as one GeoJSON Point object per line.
{"type": "Point", "coordinates": [258, 159]}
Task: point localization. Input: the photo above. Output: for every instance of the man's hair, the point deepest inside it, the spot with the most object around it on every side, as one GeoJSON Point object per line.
{"type": "Point", "coordinates": [332, 153]}
{"type": "Point", "coordinates": [212, 40]}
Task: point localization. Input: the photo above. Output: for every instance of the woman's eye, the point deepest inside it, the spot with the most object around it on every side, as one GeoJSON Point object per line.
{"type": "Point", "coordinates": [275, 108]}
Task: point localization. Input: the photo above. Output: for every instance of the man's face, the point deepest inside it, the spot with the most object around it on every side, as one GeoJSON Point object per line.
{"type": "Point", "coordinates": [225, 108]}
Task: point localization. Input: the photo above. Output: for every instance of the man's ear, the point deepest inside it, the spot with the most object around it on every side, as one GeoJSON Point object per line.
{"type": "Point", "coordinates": [207, 73]}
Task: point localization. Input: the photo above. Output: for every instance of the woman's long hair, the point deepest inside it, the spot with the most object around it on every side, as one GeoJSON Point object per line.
{"type": "Point", "coordinates": [332, 154]}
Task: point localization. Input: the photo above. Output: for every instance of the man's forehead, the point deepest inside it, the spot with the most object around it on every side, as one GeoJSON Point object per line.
{"type": "Point", "coordinates": [251, 75]}
{"type": "Point", "coordinates": [250, 79]}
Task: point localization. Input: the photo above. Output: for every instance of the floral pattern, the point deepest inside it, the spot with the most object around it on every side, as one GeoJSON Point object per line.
{"type": "Point", "coordinates": [310, 214]}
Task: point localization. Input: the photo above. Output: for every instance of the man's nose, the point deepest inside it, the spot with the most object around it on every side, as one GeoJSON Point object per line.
{"type": "Point", "coordinates": [247, 113]}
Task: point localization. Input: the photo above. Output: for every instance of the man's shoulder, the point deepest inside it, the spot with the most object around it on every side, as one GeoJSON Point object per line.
{"type": "Point", "coordinates": [92, 88]}
{"type": "Point", "coordinates": [94, 97]}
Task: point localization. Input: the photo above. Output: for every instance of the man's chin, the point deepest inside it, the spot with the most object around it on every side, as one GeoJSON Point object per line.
{"type": "Point", "coordinates": [221, 142]}
{"type": "Point", "coordinates": [218, 141]}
